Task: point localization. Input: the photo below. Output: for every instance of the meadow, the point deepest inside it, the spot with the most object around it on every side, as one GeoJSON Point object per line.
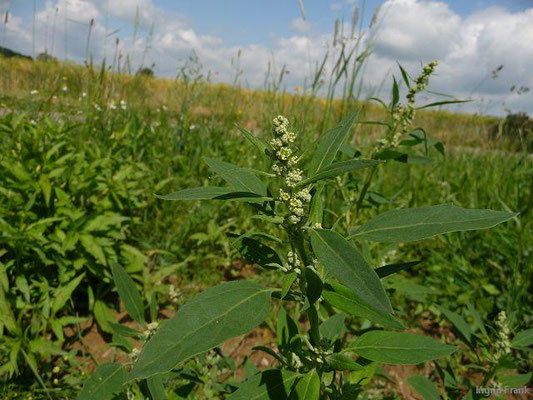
{"type": "Point", "coordinates": [84, 151]}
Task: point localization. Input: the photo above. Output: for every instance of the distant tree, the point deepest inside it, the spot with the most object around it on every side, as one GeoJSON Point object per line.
{"type": "Point", "coordinates": [45, 57]}
{"type": "Point", "coordinates": [4, 51]}
{"type": "Point", "coordinates": [145, 71]}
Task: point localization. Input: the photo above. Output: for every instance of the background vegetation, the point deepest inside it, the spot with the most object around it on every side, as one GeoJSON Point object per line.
{"type": "Point", "coordinates": [84, 150]}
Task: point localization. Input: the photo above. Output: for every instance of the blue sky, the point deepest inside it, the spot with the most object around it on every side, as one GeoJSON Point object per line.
{"type": "Point", "coordinates": [469, 37]}
{"type": "Point", "coordinates": [244, 21]}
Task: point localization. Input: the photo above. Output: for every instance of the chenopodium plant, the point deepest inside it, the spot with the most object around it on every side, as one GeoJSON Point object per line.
{"type": "Point", "coordinates": [489, 350]}
{"type": "Point", "coordinates": [323, 278]}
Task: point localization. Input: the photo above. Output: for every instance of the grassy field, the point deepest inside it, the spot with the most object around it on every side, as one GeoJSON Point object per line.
{"type": "Point", "coordinates": [84, 151]}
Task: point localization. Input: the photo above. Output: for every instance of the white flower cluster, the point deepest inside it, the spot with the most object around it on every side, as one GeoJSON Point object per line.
{"type": "Point", "coordinates": [284, 166]}
{"type": "Point", "coordinates": [295, 361]}
{"type": "Point", "coordinates": [150, 329]}
{"type": "Point", "coordinates": [283, 153]}
{"type": "Point", "coordinates": [404, 114]}
{"type": "Point", "coordinates": [293, 263]}
{"type": "Point", "coordinates": [134, 354]}
{"type": "Point", "coordinates": [295, 203]}
{"type": "Point", "coordinates": [174, 294]}
{"type": "Point", "coordinates": [503, 344]}
{"type": "Point", "coordinates": [421, 83]}
{"type": "Point", "coordinates": [122, 103]}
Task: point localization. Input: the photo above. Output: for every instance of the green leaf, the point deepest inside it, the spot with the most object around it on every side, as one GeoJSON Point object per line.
{"type": "Point", "coordinates": [256, 252]}
{"type": "Point", "coordinates": [122, 343]}
{"type": "Point", "coordinates": [339, 168]}
{"type": "Point", "coordinates": [210, 193]}
{"type": "Point", "coordinates": [395, 92]}
{"type": "Point", "coordinates": [209, 319]}
{"type": "Point", "coordinates": [103, 315]}
{"type": "Point", "coordinates": [478, 322]}
{"type": "Point", "coordinates": [237, 177]}
{"type": "Point", "coordinates": [308, 387]}
{"type": "Point", "coordinates": [286, 329]}
{"type": "Point", "coordinates": [522, 339]}
{"type": "Point", "coordinates": [8, 319]}
{"type": "Point", "coordinates": [104, 222]}
{"type": "Point", "coordinates": [270, 352]}
{"type": "Point", "coordinates": [440, 103]}
{"type": "Point", "coordinates": [343, 261]}
{"type": "Point", "coordinates": [515, 380]}
{"type": "Point", "coordinates": [459, 322]}
{"type": "Point", "coordinates": [287, 282]}
{"type": "Point", "coordinates": [419, 223]}
{"type": "Point", "coordinates": [344, 299]}
{"type": "Point", "coordinates": [332, 327]}
{"type": "Point", "coordinates": [258, 143]}
{"type": "Point", "coordinates": [128, 293]}
{"type": "Point", "coordinates": [64, 293]}
{"type": "Point", "coordinates": [390, 269]}
{"type": "Point", "coordinates": [316, 209]}
{"type": "Point", "coordinates": [405, 76]}
{"type": "Point", "coordinates": [93, 248]}
{"type": "Point", "coordinates": [44, 183]}
{"type": "Point", "coordinates": [46, 347]}
{"type": "Point", "coordinates": [399, 348]}
{"type": "Point", "coordinates": [424, 386]}
{"type": "Point", "coordinates": [330, 144]}
{"type": "Point", "coordinates": [123, 330]}
{"type": "Point", "coordinates": [314, 284]}
{"type": "Point", "coordinates": [342, 362]}
{"type": "Point", "coordinates": [106, 381]}
{"type": "Point", "coordinates": [273, 384]}
{"type": "Point", "coordinates": [156, 388]}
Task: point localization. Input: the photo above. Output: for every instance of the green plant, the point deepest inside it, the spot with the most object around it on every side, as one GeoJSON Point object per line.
{"type": "Point", "coordinates": [504, 362]}
{"type": "Point", "coordinates": [65, 216]}
{"type": "Point", "coordinates": [325, 280]}
{"type": "Point", "coordinates": [517, 129]}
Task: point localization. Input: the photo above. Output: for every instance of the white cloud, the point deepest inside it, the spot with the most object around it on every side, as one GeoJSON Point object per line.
{"type": "Point", "coordinates": [299, 25]}
{"type": "Point", "coordinates": [408, 31]}
{"type": "Point", "coordinates": [468, 48]}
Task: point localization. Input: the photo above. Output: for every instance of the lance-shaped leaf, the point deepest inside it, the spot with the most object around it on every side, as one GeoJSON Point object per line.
{"type": "Point", "coordinates": [258, 143]}
{"type": "Point", "coordinates": [307, 388]}
{"type": "Point", "coordinates": [238, 177]}
{"type": "Point", "coordinates": [343, 260]}
{"type": "Point", "coordinates": [328, 147]}
{"type": "Point", "coordinates": [106, 381]}
{"type": "Point", "coordinates": [419, 223]}
{"type": "Point", "coordinates": [399, 348]}
{"type": "Point", "coordinates": [342, 362]}
{"type": "Point", "coordinates": [272, 384]}
{"type": "Point", "coordinates": [332, 327]}
{"type": "Point", "coordinates": [515, 380]}
{"type": "Point", "coordinates": [424, 386]}
{"type": "Point", "coordinates": [346, 300]}
{"type": "Point", "coordinates": [390, 269]}
{"type": "Point", "coordinates": [459, 322]}
{"type": "Point", "coordinates": [256, 252]}
{"type": "Point", "coordinates": [128, 293]}
{"type": "Point", "coordinates": [63, 293]}
{"type": "Point", "coordinates": [212, 193]}
{"type": "Point", "coordinates": [339, 168]}
{"type": "Point", "coordinates": [156, 387]}
{"type": "Point", "coordinates": [210, 318]}
{"type": "Point", "coordinates": [522, 339]}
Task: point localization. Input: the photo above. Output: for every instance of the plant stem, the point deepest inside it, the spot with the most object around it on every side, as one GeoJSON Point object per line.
{"type": "Point", "coordinates": [364, 190]}
{"type": "Point", "coordinates": [312, 314]}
